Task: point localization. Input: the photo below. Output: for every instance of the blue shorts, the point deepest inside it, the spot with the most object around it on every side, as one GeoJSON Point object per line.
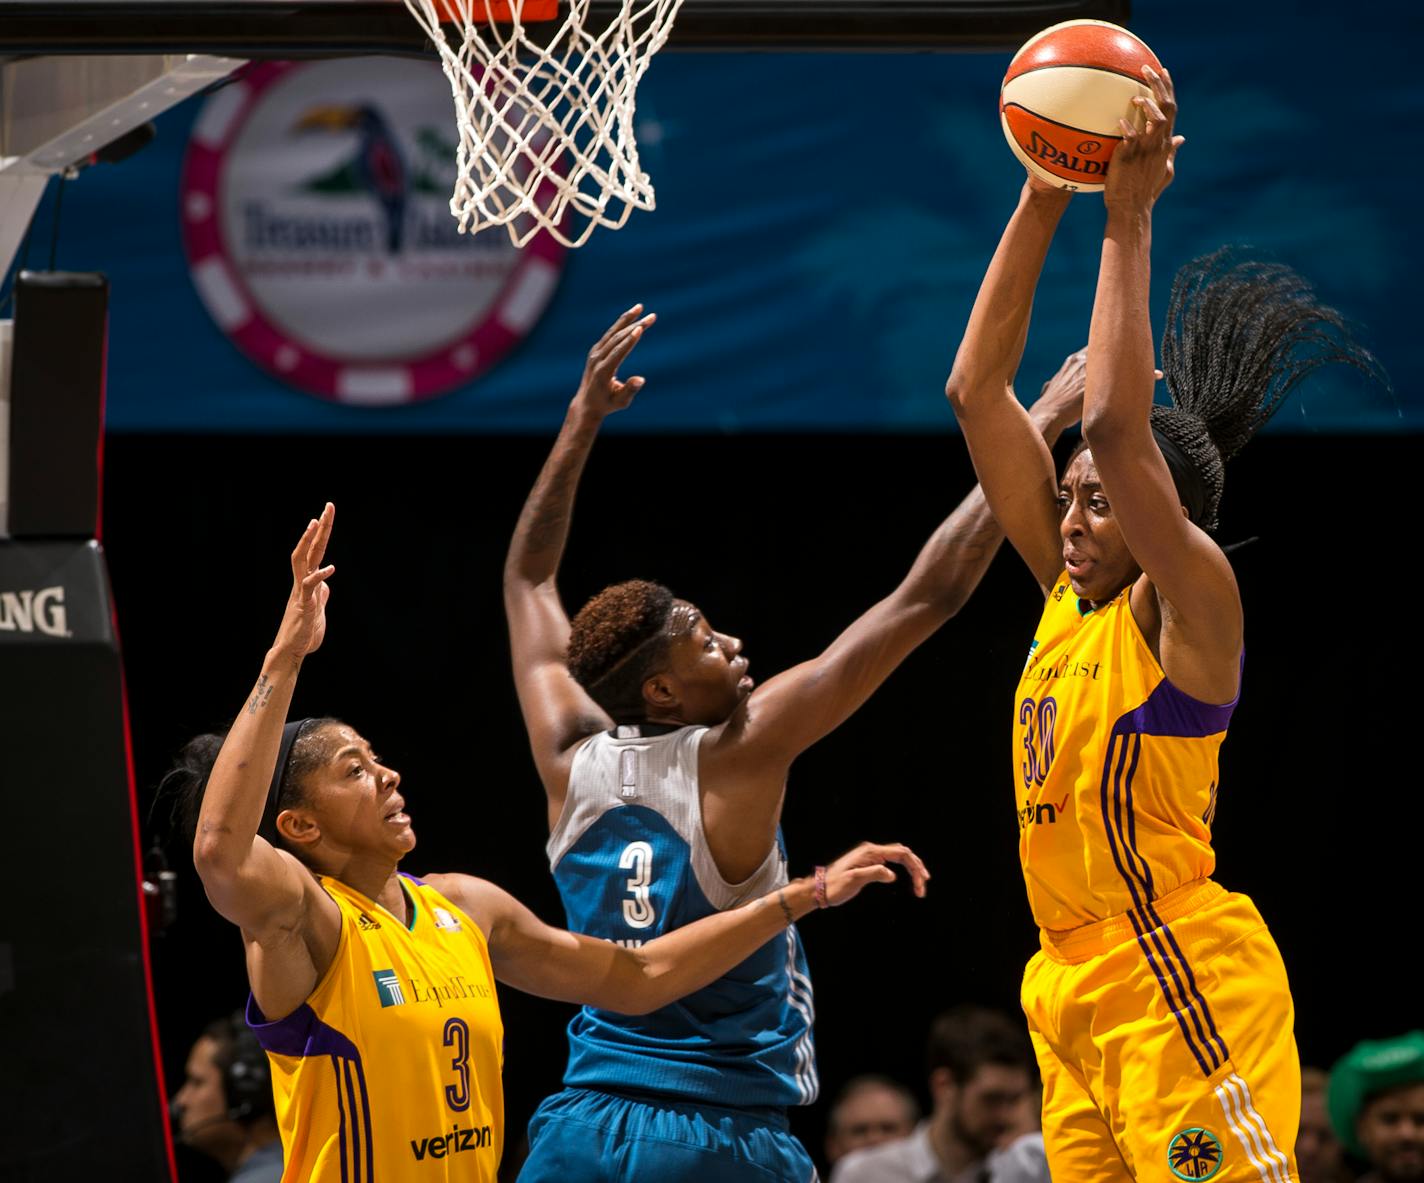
{"type": "Point", "coordinates": [580, 1136]}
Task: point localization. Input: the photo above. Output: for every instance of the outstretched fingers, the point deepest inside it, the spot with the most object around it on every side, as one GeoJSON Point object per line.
{"type": "Point", "coordinates": [317, 551]}
{"type": "Point", "coordinates": [316, 578]}
{"type": "Point", "coordinates": [623, 344]}
{"type": "Point", "coordinates": [870, 863]}
{"type": "Point", "coordinates": [903, 856]}
{"type": "Point", "coordinates": [618, 325]}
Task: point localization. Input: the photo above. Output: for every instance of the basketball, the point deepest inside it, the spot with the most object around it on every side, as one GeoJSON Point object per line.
{"type": "Point", "coordinates": [1064, 92]}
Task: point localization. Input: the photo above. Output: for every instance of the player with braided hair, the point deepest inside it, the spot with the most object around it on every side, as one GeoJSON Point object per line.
{"type": "Point", "coordinates": [664, 770]}
{"type": "Point", "coordinates": [1158, 1004]}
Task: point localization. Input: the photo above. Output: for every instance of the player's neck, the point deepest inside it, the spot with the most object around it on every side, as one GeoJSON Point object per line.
{"type": "Point", "coordinates": [376, 880]}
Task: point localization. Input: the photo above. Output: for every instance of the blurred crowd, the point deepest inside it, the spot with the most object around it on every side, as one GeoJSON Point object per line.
{"type": "Point", "coordinates": [1360, 1122]}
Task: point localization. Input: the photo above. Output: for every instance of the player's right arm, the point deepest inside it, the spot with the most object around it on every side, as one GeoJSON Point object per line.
{"type": "Point", "coordinates": [288, 922]}
{"type": "Point", "coordinates": [540, 959]}
{"type": "Point", "coordinates": [1014, 465]}
{"type": "Point", "coordinates": [796, 708]}
{"type": "Point", "coordinates": [558, 712]}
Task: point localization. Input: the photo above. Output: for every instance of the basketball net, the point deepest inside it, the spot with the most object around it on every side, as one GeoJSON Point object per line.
{"type": "Point", "coordinates": [546, 125]}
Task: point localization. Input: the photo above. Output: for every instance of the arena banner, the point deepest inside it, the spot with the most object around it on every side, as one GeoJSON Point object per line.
{"type": "Point", "coordinates": [316, 222]}
{"type": "Point", "coordinates": [823, 222]}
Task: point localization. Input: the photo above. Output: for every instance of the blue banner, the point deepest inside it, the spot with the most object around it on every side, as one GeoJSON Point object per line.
{"type": "Point", "coordinates": [823, 222]}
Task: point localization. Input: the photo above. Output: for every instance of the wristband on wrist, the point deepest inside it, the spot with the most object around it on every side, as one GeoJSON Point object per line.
{"type": "Point", "coordinates": [819, 892]}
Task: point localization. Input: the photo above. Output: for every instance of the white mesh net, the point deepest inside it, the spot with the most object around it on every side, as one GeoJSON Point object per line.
{"type": "Point", "coordinates": [546, 125]}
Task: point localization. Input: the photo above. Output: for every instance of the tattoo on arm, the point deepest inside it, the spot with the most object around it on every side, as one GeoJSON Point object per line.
{"type": "Point", "coordinates": [546, 518]}
{"type": "Point", "coordinates": [544, 523]}
{"type": "Point", "coordinates": [260, 695]}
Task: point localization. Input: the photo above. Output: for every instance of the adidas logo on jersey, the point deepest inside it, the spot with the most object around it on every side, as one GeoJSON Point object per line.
{"type": "Point", "coordinates": [446, 920]}
{"type": "Point", "coordinates": [365, 922]}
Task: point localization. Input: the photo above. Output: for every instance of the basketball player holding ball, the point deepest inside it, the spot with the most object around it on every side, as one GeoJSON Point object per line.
{"type": "Point", "coordinates": [1158, 1004]}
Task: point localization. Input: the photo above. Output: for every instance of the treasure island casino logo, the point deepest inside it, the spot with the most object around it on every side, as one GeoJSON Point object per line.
{"type": "Point", "coordinates": [316, 219]}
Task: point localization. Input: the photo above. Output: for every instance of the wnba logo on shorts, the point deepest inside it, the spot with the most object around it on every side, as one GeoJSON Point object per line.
{"type": "Point", "coordinates": [1194, 1154]}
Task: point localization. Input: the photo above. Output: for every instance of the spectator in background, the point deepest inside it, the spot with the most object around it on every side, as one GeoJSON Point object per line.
{"type": "Point", "coordinates": [981, 1072]}
{"type": "Point", "coordinates": [868, 1111]}
{"type": "Point", "coordinates": [1376, 1103]}
{"type": "Point", "coordinates": [1319, 1156]}
{"type": "Point", "coordinates": [224, 1108]}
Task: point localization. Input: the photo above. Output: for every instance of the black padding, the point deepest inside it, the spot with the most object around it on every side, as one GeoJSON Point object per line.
{"type": "Point", "coordinates": [56, 404]}
{"type": "Point", "coordinates": [79, 1090]}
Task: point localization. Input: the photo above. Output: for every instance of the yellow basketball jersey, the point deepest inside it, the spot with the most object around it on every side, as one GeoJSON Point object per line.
{"type": "Point", "coordinates": [391, 1069]}
{"type": "Point", "coordinates": [1115, 768]}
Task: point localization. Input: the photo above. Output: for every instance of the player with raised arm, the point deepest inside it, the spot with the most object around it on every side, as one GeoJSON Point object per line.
{"type": "Point", "coordinates": [373, 991]}
{"type": "Point", "coordinates": [664, 771]}
{"type": "Point", "coordinates": [1158, 1005]}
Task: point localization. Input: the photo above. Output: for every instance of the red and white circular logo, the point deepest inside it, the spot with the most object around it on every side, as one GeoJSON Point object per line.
{"type": "Point", "coordinates": [316, 217]}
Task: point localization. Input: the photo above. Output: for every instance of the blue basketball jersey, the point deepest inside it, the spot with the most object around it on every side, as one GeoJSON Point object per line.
{"type": "Point", "coordinates": [631, 862]}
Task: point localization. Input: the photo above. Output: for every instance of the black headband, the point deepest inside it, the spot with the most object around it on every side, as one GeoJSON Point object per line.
{"type": "Point", "coordinates": [1190, 486]}
{"type": "Point", "coordinates": [268, 826]}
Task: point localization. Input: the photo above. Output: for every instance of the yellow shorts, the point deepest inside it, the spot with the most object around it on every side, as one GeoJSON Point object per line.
{"type": "Point", "coordinates": [1166, 1043]}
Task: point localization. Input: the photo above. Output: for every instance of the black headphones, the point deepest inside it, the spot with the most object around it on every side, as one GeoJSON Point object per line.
{"type": "Point", "coordinates": [246, 1074]}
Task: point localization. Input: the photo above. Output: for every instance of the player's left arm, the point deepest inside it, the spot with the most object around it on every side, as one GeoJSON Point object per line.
{"type": "Point", "coordinates": [799, 706]}
{"type": "Point", "coordinates": [540, 959]}
{"type": "Point", "coordinates": [558, 712]}
{"type": "Point", "coordinates": [1186, 567]}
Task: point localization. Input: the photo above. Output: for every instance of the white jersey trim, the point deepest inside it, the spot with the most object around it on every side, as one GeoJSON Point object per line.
{"type": "Point", "coordinates": [661, 775]}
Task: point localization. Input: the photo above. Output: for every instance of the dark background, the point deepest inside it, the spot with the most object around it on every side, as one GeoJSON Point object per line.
{"type": "Point", "coordinates": [783, 540]}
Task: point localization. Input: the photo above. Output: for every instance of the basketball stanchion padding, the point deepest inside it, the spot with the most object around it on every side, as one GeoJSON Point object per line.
{"type": "Point", "coordinates": [80, 1091]}
{"type": "Point", "coordinates": [545, 111]}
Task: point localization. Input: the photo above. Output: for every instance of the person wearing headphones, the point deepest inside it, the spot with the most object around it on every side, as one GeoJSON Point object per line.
{"type": "Point", "coordinates": [224, 1109]}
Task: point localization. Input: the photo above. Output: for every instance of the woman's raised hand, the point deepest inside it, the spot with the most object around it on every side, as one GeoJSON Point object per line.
{"type": "Point", "coordinates": [304, 622]}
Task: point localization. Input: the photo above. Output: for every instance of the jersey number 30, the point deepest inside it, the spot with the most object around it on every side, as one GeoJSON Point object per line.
{"type": "Point", "coordinates": [638, 857]}
{"type": "Point", "coordinates": [1037, 720]}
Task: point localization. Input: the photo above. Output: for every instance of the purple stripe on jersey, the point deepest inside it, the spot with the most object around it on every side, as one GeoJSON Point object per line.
{"type": "Point", "coordinates": [366, 1123]}
{"type": "Point", "coordinates": [1121, 848]}
{"type": "Point", "coordinates": [355, 1118]}
{"type": "Point", "coordinates": [1136, 859]}
{"type": "Point", "coordinates": [1167, 994]}
{"type": "Point", "coordinates": [1137, 864]}
{"type": "Point", "coordinates": [1196, 991]}
{"type": "Point", "coordinates": [1169, 711]}
{"type": "Point", "coordinates": [1109, 825]}
{"type": "Point", "coordinates": [341, 1113]}
{"type": "Point", "coordinates": [412, 878]}
{"type": "Point", "coordinates": [301, 1033]}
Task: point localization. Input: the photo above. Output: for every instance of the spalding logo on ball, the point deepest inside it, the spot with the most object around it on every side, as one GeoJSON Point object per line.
{"type": "Point", "coordinates": [1063, 95]}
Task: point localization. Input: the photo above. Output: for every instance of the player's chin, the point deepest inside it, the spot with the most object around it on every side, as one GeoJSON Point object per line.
{"type": "Point", "coordinates": [745, 685]}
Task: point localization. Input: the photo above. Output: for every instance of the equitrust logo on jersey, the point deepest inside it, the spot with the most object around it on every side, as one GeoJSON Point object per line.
{"type": "Point", "coordinates": [316, 219]}
{"type": "Point", "coordinates": [388, 987]}
{"type": "Point", "coordinates": [34, 610]}
{"type": "Point", "coordinates": [396, 991]}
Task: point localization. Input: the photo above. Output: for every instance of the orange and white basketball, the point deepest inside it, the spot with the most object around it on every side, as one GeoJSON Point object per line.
{"type": "Point", "coordinates": [1063, 94]}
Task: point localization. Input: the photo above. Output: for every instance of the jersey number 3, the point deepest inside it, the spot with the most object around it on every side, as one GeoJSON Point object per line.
{"type": "Point", "coordinates": [638, 857]}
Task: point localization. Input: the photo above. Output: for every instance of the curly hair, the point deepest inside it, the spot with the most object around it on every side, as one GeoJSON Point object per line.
{"type": "Point", "coordinates": [619, 639]}
{"type": "Point", "coordinates": [1241, 335]}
